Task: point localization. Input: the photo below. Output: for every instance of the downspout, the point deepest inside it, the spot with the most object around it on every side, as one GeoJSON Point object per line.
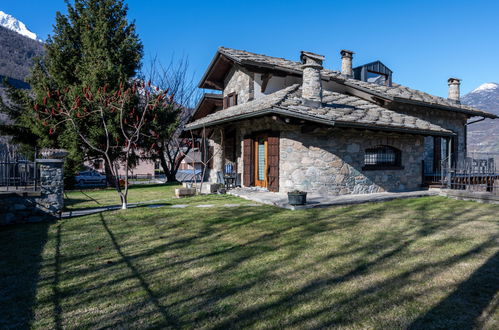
{"type": "Point", "coordinates": [466, 133]}
{"type": "Point", "coordinates": [449, 163]}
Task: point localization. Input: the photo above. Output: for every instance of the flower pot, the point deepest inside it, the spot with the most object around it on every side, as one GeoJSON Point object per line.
{"type": "Point", "coordinates": [297, 198]}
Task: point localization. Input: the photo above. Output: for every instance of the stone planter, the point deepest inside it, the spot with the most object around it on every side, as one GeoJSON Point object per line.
{"type": "Point", "coordinates": [297, 198]}
{"type": "Point", "coordinates": [53, 153]}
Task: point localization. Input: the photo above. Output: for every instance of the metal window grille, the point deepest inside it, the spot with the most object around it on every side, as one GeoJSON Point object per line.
{"type": "Point", "coordinates": [382, 155]}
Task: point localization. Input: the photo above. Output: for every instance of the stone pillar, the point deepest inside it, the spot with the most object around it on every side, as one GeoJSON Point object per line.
{"type": "Point", "coordinates": [217, 154]}
{"type": "Point", "coordinates": [312, 84]}
{"type": "Point", "coordinates": [51, 181]}
{"type": "Point", "coordinates": [454, 93]}
{"type": "Point", "coordinates": [346, 63]}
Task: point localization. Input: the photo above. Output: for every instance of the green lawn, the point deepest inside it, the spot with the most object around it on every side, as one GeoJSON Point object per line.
{"type": "Point", "coordinates": [152, 194]}
{"type": "Point", "coordinates": [417, 263]}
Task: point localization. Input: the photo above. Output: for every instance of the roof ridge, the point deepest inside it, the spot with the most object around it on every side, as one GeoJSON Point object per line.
{"type": "Point", "coordinates": [257, 54]}
{"type": "Point", "coordinates": [396, 91]}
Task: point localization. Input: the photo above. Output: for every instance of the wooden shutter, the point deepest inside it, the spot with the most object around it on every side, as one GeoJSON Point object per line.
{"type": "Point", "coordinates": [248, 177]}
{"type": "Point", "coordinates": [273, 156]}
{"type": "Point", "coordinates": [226, 102]}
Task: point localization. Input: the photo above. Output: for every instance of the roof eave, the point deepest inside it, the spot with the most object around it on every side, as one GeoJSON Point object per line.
{"type": "Point", "coordinates": [421, 103]}
{"type": "Point", "coordinates": [210, 66]}
{"type": "Point", "coordinates": [444, 107]}
{"type": "Point", "coordinates": [329, 122]}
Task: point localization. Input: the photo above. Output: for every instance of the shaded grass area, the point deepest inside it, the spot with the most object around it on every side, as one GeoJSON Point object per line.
{"type": "Point", "coordinates": [161, 193]}
{"type": "Point", "coordinates": [417, 263]}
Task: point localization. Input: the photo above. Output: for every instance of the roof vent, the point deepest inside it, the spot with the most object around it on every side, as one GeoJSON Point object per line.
{"type": "Point", "coordinates": [374, 72]}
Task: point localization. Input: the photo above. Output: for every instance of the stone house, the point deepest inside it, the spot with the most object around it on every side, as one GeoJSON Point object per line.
{"type": "Point", "coordinates": [288, 125]}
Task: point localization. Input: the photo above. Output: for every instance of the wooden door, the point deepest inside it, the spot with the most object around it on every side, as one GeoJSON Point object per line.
{"type": "Point", "coordinates": [248, 171]}
{"type": "Point", "coordinates": [273, 165]}
{"type": "Point", "coordinates": [261, 160]}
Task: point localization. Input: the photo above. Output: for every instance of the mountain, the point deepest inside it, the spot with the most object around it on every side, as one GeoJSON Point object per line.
{"type": "Point", "coordinates": [483, 137]}
{"type": "Point", "coordinates": [17, 53]}
{"type": "Point", "coordinates": [11, 23]}
{"type": "Point", "coordinates": [16, 58]}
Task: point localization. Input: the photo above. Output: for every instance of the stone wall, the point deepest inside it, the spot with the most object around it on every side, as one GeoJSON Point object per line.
{"type": "Point", "coordinates": [35, 206]}
{"type": "Point", "coordinates": [453, 121]}
{"type": "Point", "coordinates": [241, 82]}
{"type": "Point", "coordinates": [330, 160]}
{"type": "Point", "coordinates": [215, 144]}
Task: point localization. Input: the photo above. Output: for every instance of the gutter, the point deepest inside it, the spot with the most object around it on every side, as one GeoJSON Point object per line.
{"type": "Point", "coordinates": [475, 121]}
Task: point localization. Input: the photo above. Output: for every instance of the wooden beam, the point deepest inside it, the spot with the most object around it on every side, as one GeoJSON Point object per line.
{"type": "Point", "coordinates": [265, 80]}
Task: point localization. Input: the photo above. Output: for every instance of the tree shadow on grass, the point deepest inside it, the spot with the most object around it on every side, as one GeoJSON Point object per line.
{"type": "Point", "coordinates": [463, 308]}
{"type": "Point", "coordinates": [21, 248]}
{"type": "Point", "coordinates": [169, 319]}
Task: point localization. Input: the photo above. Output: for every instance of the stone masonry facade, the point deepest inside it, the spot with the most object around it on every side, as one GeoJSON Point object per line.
{"type": "Point", "coordinates": [240, 82]}
{"type": "Point", "coordinates": [329, 160]}
{"type": "Point", "coordinates": [453, 121]}
{"type": "Point", "coordinates": [36, 206]}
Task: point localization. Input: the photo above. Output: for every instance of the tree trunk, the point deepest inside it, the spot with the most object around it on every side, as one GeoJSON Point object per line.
{"type": "Point", "coordinates": [109, 175]}
{"type": "Point", "coordinates": [124, 204]}
{"type": "Point", "coordinates": [170, 177]}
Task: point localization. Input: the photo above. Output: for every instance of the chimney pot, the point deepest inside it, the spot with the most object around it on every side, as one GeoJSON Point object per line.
{"type": "Point", "coordinates": [346, 62]}
{"type": "Point", "coordinates": [454, 92]}
{"type": "Point", "coordinates": [312, 83]}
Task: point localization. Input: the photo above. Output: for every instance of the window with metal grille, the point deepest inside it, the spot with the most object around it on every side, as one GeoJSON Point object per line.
{"type": "Point", "coordinates": [382, 157]}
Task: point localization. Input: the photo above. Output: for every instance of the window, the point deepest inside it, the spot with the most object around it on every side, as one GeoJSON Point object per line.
{"type": "Point", "coordinates": [230, 100]}
{"type": "Point", "coordinates": [377, 78]}
{"type": "Point", "coordinates": [382, 157]}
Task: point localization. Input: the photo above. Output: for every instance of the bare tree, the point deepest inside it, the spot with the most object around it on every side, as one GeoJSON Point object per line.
{"type": "Point", "coordinates": [208, 157]}
{"type": "Point", "coordinates": [171, 147]}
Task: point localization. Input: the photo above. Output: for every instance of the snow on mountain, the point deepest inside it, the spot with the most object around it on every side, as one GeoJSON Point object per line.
{"type": "Point", "coordinates": [483, 137]}
{"type": "Point", "coordinates": [485, 87]}
{"type": "Point", "coordinates": [11, 23]}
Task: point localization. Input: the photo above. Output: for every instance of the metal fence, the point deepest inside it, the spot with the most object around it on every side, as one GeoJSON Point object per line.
{"type": "Point", "coordinates": [17, 171]}
{"type": "Point", "coordinates": [471, 174]}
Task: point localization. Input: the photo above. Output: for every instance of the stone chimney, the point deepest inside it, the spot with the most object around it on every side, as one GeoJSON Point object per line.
{"type": "Point", "coordinates": [454, 93]}
{"type": "Point", "coordinates": [312, 84]}
{"type": "Point", "coordinates": [346, 62]}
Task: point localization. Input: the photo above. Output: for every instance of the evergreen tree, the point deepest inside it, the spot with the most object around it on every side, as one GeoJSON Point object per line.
{"type": "Point", "coordinates": [92, 46]}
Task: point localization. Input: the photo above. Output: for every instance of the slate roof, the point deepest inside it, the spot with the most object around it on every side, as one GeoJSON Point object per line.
{"type": "Point", "coordinates": [336, 109]}
{"type": "Point", "coordinates": [395, 92]}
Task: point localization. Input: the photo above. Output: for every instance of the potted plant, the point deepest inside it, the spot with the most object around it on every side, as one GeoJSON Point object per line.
{"type": "Point", "coordinates": [297, 197]}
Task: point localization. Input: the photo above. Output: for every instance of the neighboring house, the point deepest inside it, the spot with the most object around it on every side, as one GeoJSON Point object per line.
{"type": "Point", "coordinates": [290, 125]}
{"type": "Point", "coordinates": [144, 168]}
{"type": "Point", "coordinates": [193, 160]}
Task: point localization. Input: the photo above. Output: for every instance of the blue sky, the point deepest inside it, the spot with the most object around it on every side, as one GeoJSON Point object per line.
{"type": "Point", "coordinates": [423, 42]}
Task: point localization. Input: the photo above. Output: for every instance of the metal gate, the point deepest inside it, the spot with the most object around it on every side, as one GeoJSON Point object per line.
{"type": "Point", "coordinates": [17, 170]}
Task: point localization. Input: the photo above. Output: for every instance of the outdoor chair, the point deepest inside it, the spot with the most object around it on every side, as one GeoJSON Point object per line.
{"type": "Point", "coordinates": [230, 176]}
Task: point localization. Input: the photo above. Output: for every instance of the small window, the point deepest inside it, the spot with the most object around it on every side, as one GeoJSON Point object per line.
{"type": "Point", "coordinates": [382, 157]}
{"type": "Point", "coordinates": [230, 100]}
{"type": "Point", "coordinates": [377, 78]}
